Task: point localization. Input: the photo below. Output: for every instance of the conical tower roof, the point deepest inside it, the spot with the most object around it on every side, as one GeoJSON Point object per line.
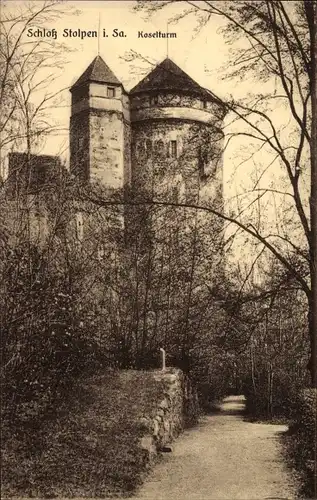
{"type": "Point", "coordinates": [168, 76]}
{"type": "Point", "coordinates": [97, 71]}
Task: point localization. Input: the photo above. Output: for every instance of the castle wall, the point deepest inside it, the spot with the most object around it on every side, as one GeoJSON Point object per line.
{"type": "Point", "coordinates": [80, 145]}
{"type": "Point", "coordinates": [194, 124]}
{"type": "Point", "coordinates": [126, 139]}
{"type": "Point", "coordinates": [176, 112]}
{"type": "Point", "coordinates": [197, 167]}
{"type": "Point", "coordinates": [172, 99]}
{"type": "Point", "coordinates": [193, 175]}
{"type": "Point", "coordinates": [106, 156]}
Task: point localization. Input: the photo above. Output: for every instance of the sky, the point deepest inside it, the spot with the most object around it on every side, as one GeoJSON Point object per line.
{"type": "Point", "coordinates": [200, 55]}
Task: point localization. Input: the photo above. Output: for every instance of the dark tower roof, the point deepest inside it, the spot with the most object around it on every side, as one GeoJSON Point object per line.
{"type": "Point", "coordinates": [97, 71]}
{"type": "Point", "coordinates": [168, 76]}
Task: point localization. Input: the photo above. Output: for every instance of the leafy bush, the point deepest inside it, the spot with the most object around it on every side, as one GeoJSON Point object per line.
{"type": "Point", "coordinates": [302, 441]}
{"type": "Point", "coordinates": [43, 347]}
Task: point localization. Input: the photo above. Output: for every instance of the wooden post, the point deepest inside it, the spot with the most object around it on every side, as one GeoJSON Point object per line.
{"type": "Point", "coordinates": [163, 359]}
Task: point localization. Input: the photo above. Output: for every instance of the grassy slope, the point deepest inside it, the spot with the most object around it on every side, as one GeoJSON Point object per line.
{"type": "Point", "coordinates": [91, 448]}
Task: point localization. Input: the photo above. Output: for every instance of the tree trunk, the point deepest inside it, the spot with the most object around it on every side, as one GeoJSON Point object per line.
{"type": "Point", "coordinates": [312, 324]}
{"type": "Point", "coordinates": [311, 9]}
{"type": "Point", "coordinates": [252, 367]}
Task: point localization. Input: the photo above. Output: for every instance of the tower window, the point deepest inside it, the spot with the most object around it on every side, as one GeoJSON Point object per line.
{"type": "Point", "coordinates": [154, 100]}
{"type": "Point", "coordinates": [173, 146]}
{"type": "Point", "coordinates": [174, 193]}
{"type": "Point", "coordinates": [37, 211]}
{"type": "Point", "coordinates": [207, 166]}
{"type": "Point", "coordinates": [111, 92]}
{"type": "Point", "coordinates": [101, 252]}
{"type": "Point", "coordinates": [79, 226]}
{"type": "Point", "coordinates": [205, 104]}
{"type": "Point", "coordinates": [148, 147]}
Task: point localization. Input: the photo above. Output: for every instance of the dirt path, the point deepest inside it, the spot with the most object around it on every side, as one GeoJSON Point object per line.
{"type": "Point", "coordinates": [224, 457]}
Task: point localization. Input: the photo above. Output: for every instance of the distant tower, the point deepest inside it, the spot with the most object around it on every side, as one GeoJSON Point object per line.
{"type": "Point", "coordinates": [100, 127]}
{"type": "Point", "coordinates": [176, 136]}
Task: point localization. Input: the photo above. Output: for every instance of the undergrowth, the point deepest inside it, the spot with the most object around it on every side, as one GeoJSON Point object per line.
{"type": "Point", "coordinates": [301, 443]}
{"type": "Point", "coordinates": [89, 446]}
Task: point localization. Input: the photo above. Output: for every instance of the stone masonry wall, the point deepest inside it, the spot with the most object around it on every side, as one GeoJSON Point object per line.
{"type": "Point", "coordinates": [178, 408]}
{"type": "Point", "coordinates": [106, 148]}
{"type": "Point", "coordinates": [154, 168]}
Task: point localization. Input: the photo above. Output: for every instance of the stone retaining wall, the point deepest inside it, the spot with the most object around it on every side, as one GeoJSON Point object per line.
{"type": "Point", "coordinates": [178, 409]}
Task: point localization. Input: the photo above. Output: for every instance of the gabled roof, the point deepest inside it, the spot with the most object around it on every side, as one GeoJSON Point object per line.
{"type": "Point", "coordinates": [97, 71]}
{"type": "Point", "coordinates": [168, 76]}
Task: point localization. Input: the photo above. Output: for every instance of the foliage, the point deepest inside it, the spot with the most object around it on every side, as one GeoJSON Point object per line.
{"type": "Point", "coordinates": [26, 94]}
{"type": "Point", "coordinates": [89, 445]}
{"type": "Point", "coordinates": [42, 346]}
{"type": "Point", "coordinates": [302, 438]}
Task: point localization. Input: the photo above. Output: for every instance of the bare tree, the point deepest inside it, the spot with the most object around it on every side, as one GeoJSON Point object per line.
{"type": "Point", "coordinates": [277, 48]}
{"type": "Point", "coordinates": [28, 69]}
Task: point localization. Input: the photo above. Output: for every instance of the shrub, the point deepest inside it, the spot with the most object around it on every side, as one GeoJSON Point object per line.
{"type": "Point", "coordinates": [302, 441]}
{"type": "Point", "coordinates": [43, 347]}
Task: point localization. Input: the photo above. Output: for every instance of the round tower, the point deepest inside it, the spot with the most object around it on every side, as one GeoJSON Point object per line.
{"type": "Point", "coordinates": [176, 137]}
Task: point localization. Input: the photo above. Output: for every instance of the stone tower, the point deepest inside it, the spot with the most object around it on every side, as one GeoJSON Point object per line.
{"type": "Point", "coordinates": [100, 127]}
{"type": "Point", "coordinates": [176, 137]}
